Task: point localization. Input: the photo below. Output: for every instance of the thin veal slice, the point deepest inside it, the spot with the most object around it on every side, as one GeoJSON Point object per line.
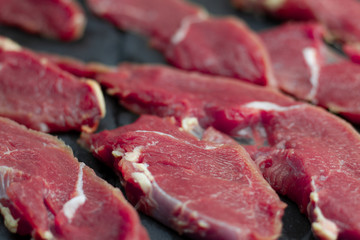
{"type": "Point", "coordinates": [47, 193]}
{"type": "Point", "coordinates": [201, 189]}
{"type": "Point", "coordinates": [58, 19]}
{"type": "Point", "coordinates": [38, 94]}
{"type": "Point", "coordinates": [192, 40]}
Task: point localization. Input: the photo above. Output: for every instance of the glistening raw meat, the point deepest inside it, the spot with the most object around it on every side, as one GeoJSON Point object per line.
{"type": "Point", "coordinates": [192, 40]}
{"type": "Point", "coordinates": [305, 68]}
{"type": "Point", "coordinates": [47, 193]}
{"type": "Point", "coordinates": [166, 91]}
{"type": "Point", "coordinates": [339, 86]}
{"type": "Point", "coordinates": [340, 17]}
{"type": "Point", "coordinates": [59, 19]}
{"type": "Point", "coordinates": [202, 189]}
{"type": "Point", "coordinates": [313, 158]}
{"type": "Point", "coordinates": [38, 94]}
{"type": "Point", "coordinates": [296, 54]}
{"type": "Point", "coordinates": [221, 46]}
{"type": "Point", "coordinates": [303, 151]}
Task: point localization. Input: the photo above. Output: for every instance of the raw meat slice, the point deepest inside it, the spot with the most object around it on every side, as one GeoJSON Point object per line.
{"type": "Point", "coordinates": [156, 18]}
{"type": "Point", "coordinates": [304, 69]}
{"type": "Point", "coordinates": [313, 158]}
{"type": "Point", "coordinates": [36, 93]}
{"type": "Point", "coordinates": [296, 54]}
{"type": "Point", "coordinates": [165, 91]}
{"type": "Point", "coordinates": [339, 86]}
{"type": "Point", "coordinates": [59, 19]}
{"type": "Point", "coordinates": [191, 40]}
{"type": "Point", "coordinates": [201, 189]}
{"type": "Point", "coordinates": [353, 51]}
{"type": "Point", "coordinates": [47, 193]}
{"type": "Point", "coordinates": [222, 46]}
{"type": "Point", "coordinates": [341, 17]}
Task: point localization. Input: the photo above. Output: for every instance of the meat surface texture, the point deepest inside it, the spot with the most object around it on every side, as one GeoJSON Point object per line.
{"type": "Point", "coordinates": [296, 54]}
{"type": "Point", "coordinates": [165, 91]}
{"type": "Point", "coordinates": [304, 69]}
{"type": "Point", "coordinates": [313, 158]}
{"type": "Point", "coordinates": [201, 189]}
{"type": "Point", "coordinates": [221, 46]}
{"type": "Point", "coordinates": [192, 40]}
{"type": "Point", "coordinates": [47, 193]}
{"type": "Point", "coordinates": [58, 19]}
{"type": "Point", "coordinates": [38, 94]}
{"type": "Point", "coordinates": [303, 151]}
{"type": "Point", "coordinates": [333, 14]}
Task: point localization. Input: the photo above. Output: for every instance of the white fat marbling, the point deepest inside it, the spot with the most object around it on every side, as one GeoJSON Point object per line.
{"type": "Point", "coordinates": [44, 127]}
{"type": "Point", "coordinates": [9, 45]}
{"type": "Point", "coordinates": [312, 62]}
{"type": "Point", "coordinates": [143, 181]}
{"type": "Point", "coordinates": [322, 226]}
{"type": "Point", "coordinates": [134, 155]}
{"type": "Point", "coordinates": [10, 222]}
{"type": "Point", "coordinates": [273, 5]}
{"type": "Point", "coordinates": [157, 132]}
{"type": "Point", "coordinates": [168, 135]}
{"type": "Point", "coordinates": [71, 206]}
{"type": "Point", "coordinates": [192, 126]}
{"type": "Point", "coordinates": [182, 31]}
{"type": "Point", "coordinates": [47, 235]}
{"type": "Point", "coordinates": [4, 181]}
{"type": "Point", "coordinates": [268, 106]}
{"type": "Point", "coordinates": [117, 153]}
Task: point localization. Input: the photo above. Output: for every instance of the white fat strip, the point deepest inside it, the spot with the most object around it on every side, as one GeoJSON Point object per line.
{"type": "Point", "coordinates": [8, 151]}
{"type": "Point", "coordinates": [143, 181]}
{"type": "Point", "coordinates": [10, 222]}
{"type": "Point", "coordinates": [192, 126]}
{"type": "Point", "coordinates": [143, 176]}
{"type": "Point", "coordinates": [273, 5]}
{"type": "Point", "coordinates": [322, 226]}
{"type": "Point", "coordinates": [268, 106]}
{"type": "Point", "coordinates": [79, 19]}
{"type": "Point", "coordinates": [44, 127]}
{"type": "Point", "coordinates": [314, 66]}
{"type": "Point", "coordinates": [9, 45]}
{"type": "Point", "coordinates": [71, 206]}
{"type": "Point", "coordinates": [134, 155]}
{"type": "Point", "coordinates": [4, 181]}
{"type": "Point", "coordinates": [168, 135]}
{"type": "Point", "coordinates": [180, 34]}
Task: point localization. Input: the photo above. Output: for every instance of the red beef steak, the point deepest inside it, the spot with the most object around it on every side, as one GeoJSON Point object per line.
{"type": "Point", "coordinates": [202, 189]}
